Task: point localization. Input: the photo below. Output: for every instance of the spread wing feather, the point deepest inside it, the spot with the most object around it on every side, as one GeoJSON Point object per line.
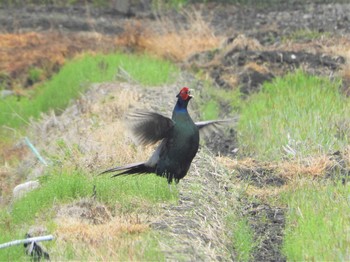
{"type": "Point", "coordinates": [149, 127]}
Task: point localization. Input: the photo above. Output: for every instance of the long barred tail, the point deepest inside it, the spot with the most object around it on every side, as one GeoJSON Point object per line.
{"type": "Point", "coordinates": [136, 168]}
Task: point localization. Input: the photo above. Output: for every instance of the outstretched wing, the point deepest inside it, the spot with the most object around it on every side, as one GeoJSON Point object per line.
{"type": "Point", "coordinates": [149, 127]}
{"type": "Point", "coordinates": [205, 127]}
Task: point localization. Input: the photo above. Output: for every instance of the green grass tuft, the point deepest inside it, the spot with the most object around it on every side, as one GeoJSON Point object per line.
{"type": "Point", "coordinates": [210, 110]}
{"type": "Point", "coordinates": [318, 223]}
{"type": "Point", "coordinates": [65, 187]}
{"type": "Point", "coordinates": [242, 237]}
{"type": "Point", "coordinates": [304, 114]}
{"type": "Point", "coordinates": [306, 35]}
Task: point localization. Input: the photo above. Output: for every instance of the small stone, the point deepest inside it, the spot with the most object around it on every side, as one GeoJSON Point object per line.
{"type": "Point", "coordinates": [22, 189]}
{"type": "Point", "coordinates": [5, 93]}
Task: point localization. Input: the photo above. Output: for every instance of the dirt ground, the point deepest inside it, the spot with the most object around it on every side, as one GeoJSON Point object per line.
{"type": "Point", "coordinates": [259, 44]}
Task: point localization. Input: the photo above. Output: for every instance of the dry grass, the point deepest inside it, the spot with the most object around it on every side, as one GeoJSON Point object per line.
{"type": "Point", "coordinates": [242, 42]}
{"type": "Point", "coordinates": [170, 40]}
{"type": "Point", "coordinates": [95, 235]}
{"type": "Point", "coordinates": [295, 173]}
{"type": "Point", "coordinates": [113, 240]}
{"type": "Point", "coordinates": [262, 69]}
{"type": "Point", "coordinates": [231, 78]}
{"type": "Point", "coordinates": [266, 193]}
{"type": "Point", "coordinates": [346, 155]}
{"type": "Point", "coordinates": [308, 167]}
{"type": "Point", "coordinates": [101, 138]}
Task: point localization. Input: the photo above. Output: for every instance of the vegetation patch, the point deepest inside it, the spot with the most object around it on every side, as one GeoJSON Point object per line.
{"type": "Point", "coordinates": [295, 116]}
{"type": "Point", "coordinates": [306, 35]}
{"type": "Point", "coordinates": [242, 237]}
{"type": "Point", "coordinates": [171, 40]}
{"type": "Point", "coordinates": [318, 222]}
{"type": "Point", "coordinates": [217, 103]}
{"type": "Point", "coordinates": [76, 76]}
{"type": "Point", "coordinates": [121, 198]}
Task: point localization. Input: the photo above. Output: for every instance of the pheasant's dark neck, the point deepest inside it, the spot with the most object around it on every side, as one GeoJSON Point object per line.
{"type": "Point", "coordinates": [181, 106]}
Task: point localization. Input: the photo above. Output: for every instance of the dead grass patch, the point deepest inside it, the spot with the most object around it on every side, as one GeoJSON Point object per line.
{"type": "Point", "coordinates": [231, 79]}
{"type": "Point", "coordinates": [101, 137]}
{"type": "Point", "coordinates": [87, 223]}
{"type": "Point", "coordinates": [242, 42]}
{"type": "Point", "coordinates": [96, 235]}
{"type": "Point", "coordinates": [290, 169]}
{"type": "Point", "coordinates": [115, 240]}
{"type": "Point", "coordinates": [262, 176]}
{"type": "Point", "coordinates": [346, 155]}
{"type": "Point", "coordinates": [311, 167]}
{"type": "Point", "coordinates": [266, 193]}
{"type": "Point", "coordinates": [170, 40]}
{"type": "Point", "coordinates": [89, 229]}
{"type": "Point", "coordinates": [258, 68]}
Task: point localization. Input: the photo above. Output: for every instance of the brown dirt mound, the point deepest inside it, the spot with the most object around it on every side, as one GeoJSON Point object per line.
{"type": "Point", "coordinates": [45, 52]}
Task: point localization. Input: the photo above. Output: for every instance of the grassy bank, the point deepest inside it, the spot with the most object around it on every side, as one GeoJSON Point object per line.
{"type": "Point", "coordinates": [76, 76]}
{"type": "Point", "coordinates": [128, 195]}
{"type": "Point", "coordinates": [318, 222]}
{"type": "Point", "coordinates": [295, 116]}
{"type": "Point", "coordinates": [126, 202]}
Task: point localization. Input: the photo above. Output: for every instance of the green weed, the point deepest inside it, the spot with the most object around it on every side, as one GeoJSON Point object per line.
{"type": "Point", "coordinates": [305, 35]}
{"type": "Point", "coordinates": [210, 110]}
{"type": "Point", "coordinates": [35, 75]}
{"type": "Point", "coordinates": [164, 5]}
{"type": "Point", "coordinates": [242, 237]}
{"type": "Point", "coordinates": [318, 223]}
{"type": "Point", "coordinates": [294, 116]}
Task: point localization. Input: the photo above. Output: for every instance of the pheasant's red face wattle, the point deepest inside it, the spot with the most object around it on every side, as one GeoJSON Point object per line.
{"type": "Point", "coordinates": [185, 93]}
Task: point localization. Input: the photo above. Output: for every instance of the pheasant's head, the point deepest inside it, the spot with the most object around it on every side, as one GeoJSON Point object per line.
{"type": "Point", "coordinates": [184, 94]}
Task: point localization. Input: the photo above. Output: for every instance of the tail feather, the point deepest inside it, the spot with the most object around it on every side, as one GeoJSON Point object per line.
{"type": "Point", "coordinates": [135, 168]}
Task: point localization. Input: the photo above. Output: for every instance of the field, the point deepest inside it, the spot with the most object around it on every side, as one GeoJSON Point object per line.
{"type": "Point", "coordinates": [272, 187]}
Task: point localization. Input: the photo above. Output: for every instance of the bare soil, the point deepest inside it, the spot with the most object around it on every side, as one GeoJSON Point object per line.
{"type": "Point", "coordinates": [260, 44]}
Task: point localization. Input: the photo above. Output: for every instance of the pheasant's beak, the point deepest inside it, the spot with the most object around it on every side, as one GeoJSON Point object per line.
{"type": "Point", "coordinates": [189, 94]}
